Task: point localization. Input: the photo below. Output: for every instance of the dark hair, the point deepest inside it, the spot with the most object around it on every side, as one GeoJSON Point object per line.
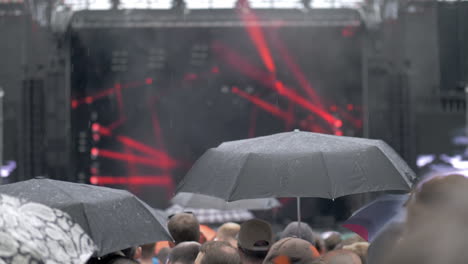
{"type": "Point", "coordinates": [112, 259]}
{"type": "Point", "coordinates": [185, 252]}
{"type": "Point", "coordinates": [184, 227]}
{"type": "Point", "coordinates": [147, 251]}
{"type": "Point", "coordinates": [129, 252]}
{"type": "Point", "coordinates": [219, 252]}
{"type": "Point", "coordinates": [122, 260]}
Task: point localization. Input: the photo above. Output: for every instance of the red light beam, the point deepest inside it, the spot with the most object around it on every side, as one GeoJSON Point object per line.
{"type": "Point", "coordinates": [129, 142]}
{"type": "Point", "coordinates": [161, 180]}
{"type": "Point", "coordinates": [253, 122]}
{"type": "Point", "coordinates": [152, 162]}
{"type": "Point", "coordinates": [258, 38]}
{"type": "Point", "coordinates": [272, 109]}
{"type": "Point", "coordinates": [296, 70]}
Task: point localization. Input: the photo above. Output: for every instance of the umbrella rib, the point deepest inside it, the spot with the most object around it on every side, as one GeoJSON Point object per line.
{"type": "Point", "coordinates": [408, 182]}
{"type": "Point", "coordinates": [81, 204]}
{"type": "Point", "coordinates": [332, 193]}
{"type": "Point", "coordinates": [234, 186]}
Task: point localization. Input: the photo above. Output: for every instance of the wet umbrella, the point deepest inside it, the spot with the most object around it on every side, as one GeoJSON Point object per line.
{"type": "Point", "coordinates": [297, 164]}
{"type": "Point", "coordinates": [194, 200]}
{"type": "Point", "coordinates": [35, 233]}
{"type": "Point", "coordinates": [213, 216]}
{"type": "Point", "coordinates": [371, 218]}
{"type": "Point", "coordinates": [114, 219]}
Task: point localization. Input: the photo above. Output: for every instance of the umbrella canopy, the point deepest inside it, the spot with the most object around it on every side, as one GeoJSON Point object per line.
{"type": "Point", "coordinates": [371, 218]}
{"type": "Point", "coordinates": [35, 233]}
{"type": "Point", "coordinates": [194, 200]}
{"type": "Point", "coordinates": [114, 219]}
{"type": "Point", "coordinates": [213, 216]}
{"type": "Point", "coordinates": [297, 164]}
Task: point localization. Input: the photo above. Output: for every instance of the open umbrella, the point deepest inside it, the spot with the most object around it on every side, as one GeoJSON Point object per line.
{"type": "Point", "coordinates": [114, 219]}
{"type": "Point", "coordinates": [371, 218]}
{"type": "Point", "coordinates": [297, 164]}
{"type": "Point", "coordinates": [213, 216]}
{"type": "Point", "coordinates": [194, 200]}
{"type": "Point", "coordinates": [35, 233]}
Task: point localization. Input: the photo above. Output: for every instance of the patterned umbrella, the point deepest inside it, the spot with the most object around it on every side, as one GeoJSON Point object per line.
{"type": "Point", "coordinates": [35, 233]}
{"type": "Point", "coordinates": [213, 216]}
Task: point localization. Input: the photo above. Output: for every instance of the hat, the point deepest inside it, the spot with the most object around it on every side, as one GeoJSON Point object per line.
{"type": "Point", "coordinates": [301, 230]}
{"type": "Point", "coordinates": [295, 249]}
{"type": "Point", "coordinates": [255, 235]}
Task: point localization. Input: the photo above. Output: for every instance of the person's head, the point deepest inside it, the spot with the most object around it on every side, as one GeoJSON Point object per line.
{"type": "Point", "coordinates": [438, 194]}
{"type": "Point", "coordinates": [132, 252]}
{"type": "Point", "coordinates": [341, 256]}
{"type": "Point", "coordinates": [184, 253]}
{"type": "Point", "coordinates": [360, 248]}
{"type": "Point", "coordinates": [228, 232]}
{"type": "Point", "coordinates": [163, 254]}
{"type": "Point", "coordinates": [147, 251]}
{"type": "Point", "coordinates": [122, 260]}
{"type": "Point", "coordinates": [218, 252]}
{"type": "Point", "coordinates": [184, 227]}
{"type": "Point", "coordinates": [332, 240]}
{"type": "Point", "coordinates": [299, 230]}
{"type": "Point", "coordinates": [255, 239]}
{"type": "Point", "coordinates": [292, 250]}
{"type": "Point", "coordinates": [436, 225]}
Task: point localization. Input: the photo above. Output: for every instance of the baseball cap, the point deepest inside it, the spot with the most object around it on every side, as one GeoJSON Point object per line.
{"type": "Point", "coordinates": [295, 249]}
{"type": "Point", "coordinates": [255, 235]}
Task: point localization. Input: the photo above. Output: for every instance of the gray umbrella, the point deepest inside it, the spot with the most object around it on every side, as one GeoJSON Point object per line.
{"type": "Point", "coordinates": [114, 219]}
{"type": "Point", "coordinates": [297, 164]}
{"type": "Point", "coordinates": [209, 202]}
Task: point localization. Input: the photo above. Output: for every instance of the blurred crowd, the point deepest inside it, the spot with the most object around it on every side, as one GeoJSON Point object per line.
{"type": "Point", "coordinates": [433, 231]}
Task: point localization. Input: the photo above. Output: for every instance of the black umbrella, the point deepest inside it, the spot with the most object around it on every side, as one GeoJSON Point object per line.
{"type": "Point", "coordinates": [297, 164]}
{"type": "Point", "coordinates": [114, 219]}
{"type": "Point", "coordinates": [371, 218]}
{"type": "Point", "coordinates": [194, 200]}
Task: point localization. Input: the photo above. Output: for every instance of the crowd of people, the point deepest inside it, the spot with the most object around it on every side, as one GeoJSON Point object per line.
{"type": "Point", "coordinates": [433, 231]}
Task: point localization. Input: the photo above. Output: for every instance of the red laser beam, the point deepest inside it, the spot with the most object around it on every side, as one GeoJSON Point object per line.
{"type": "Point", "coordinates": [116, 123]}
{"type": "Point", "coordinates": [304, 103]}
{"type": "Point", "coordinates": [348, 117]}
{"type": "Point", "coordinates": [159, 139]}
{"type": "Point", "coordinates": [152, 162]}
{"type": "Point", "coordinates": [296, 70]}
{"type": "Point", "coordinates": [289, 123]}
{"type": "Point", "coordinates": [245, 67]}
{"type": "Point", "coordinates": [118, 94]}
{"type": "Point", "coordinates": [274, 110]}
{"type": "Point", "coordinates": [131, 166]}
{"type": "Point", "coordinates": [107, 92]}
{"type": "Point", "coordinates": [164, 157]}
{"type": "Point", "coordinates": [241, 63]}
{"type": "Point", "coordinates": [160, 180]}
{"type": "Point", "coordinates": [253, 122]}
{"type": "Point", "coordinates": [97, 128]}
{"type": "Point", "coordinates": [258, 38]}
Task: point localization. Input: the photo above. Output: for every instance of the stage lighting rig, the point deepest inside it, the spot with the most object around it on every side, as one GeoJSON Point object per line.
{"type": "Point", "coordinates": [115, 4]}
{"type": "Point", "coordinates": [306, 4]}
{"type": "Point", "coordinates": [179, 4]}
